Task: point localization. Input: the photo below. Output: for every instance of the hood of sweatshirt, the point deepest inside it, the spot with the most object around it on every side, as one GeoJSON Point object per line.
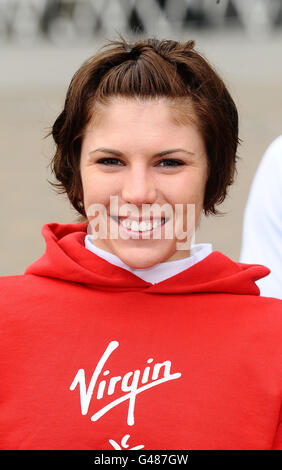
{"type": "Point", "coordinates": [67, 259]}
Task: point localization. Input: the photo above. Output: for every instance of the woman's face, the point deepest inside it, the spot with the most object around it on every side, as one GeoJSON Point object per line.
{"type": "Point", "coordinates": [135, 151]}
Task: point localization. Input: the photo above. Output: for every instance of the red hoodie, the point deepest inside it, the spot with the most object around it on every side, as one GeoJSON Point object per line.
{"type": "Point", "coordinates": [94, 357]}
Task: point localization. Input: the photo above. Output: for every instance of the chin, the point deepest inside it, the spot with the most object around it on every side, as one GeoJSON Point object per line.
{"type": "Point", "coordinates": [139, 260]}
{"type": "Point", "coordinates": [137, 263]}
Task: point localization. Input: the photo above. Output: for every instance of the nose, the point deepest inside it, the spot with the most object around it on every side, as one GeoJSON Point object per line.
{"type": "Point", "coordinates": [138, 187]}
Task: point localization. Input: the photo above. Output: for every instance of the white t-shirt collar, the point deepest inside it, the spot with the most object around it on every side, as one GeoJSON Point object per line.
{"type": "Point", "coordinates": [160, 271]}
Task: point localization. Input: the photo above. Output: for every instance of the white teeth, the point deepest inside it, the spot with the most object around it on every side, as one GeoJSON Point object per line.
{"type": "Point", "coordinates": [142, 227]}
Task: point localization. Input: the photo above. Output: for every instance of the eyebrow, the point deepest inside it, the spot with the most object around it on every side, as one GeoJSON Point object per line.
{"type": "Point", "coordinates": [159, 154]}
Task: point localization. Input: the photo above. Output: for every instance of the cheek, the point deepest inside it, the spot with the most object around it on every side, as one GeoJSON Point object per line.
{"type": "Point", "coordinates": [93, 189]}
{"type": "Point", "coordinates": [190, 190]}
{"type": "Point", "coordinates": [97, 189]}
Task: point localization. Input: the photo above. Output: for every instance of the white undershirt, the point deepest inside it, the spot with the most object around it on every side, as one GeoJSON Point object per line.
{"type": "Point", "coordinates": [160, 271]}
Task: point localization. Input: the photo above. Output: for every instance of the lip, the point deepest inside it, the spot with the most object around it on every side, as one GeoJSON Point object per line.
{"type": "Point", "coordinates": [148, 234]}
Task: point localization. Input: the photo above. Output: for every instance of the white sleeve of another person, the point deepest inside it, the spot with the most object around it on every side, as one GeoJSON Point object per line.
{"type": "Point", "coordinates": [262, 226]}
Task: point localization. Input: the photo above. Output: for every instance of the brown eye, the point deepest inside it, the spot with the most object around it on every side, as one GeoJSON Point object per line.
{"type": "Point", "coordinates": [170, 162]}
{"type": "Point", "coordinates": [109, 161]}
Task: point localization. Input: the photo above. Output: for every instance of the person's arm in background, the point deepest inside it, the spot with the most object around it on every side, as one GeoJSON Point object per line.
{"type": "Point", "coordinates": [262, 226]}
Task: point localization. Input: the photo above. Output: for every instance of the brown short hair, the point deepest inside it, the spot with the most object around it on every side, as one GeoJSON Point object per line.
{"type": "Point", "coordinates": [148, 68]}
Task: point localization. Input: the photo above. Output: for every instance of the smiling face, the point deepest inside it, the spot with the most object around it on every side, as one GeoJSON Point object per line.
{"type": "Point", "coordinates": [141, 153]}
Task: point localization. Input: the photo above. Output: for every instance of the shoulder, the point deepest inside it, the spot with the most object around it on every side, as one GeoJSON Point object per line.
{"type": "Point", "coordinates": [264, 315]}
{"type": "Point", "coordinates": [17, 285]}
{"type": "Point", "coordinates": [265, 306]}
{"type": "Point", "coordinates": [11, 286]}
{"type": "Point", "coordinates": [252, 313]}
{"type": "Point", "coordinates": [22, 294]}
{"type": "Point", "coordinates": [270, 306]}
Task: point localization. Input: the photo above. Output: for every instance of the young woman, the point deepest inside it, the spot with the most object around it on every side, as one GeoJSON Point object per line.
{"type": "Point", "coordinates": [125, 335]}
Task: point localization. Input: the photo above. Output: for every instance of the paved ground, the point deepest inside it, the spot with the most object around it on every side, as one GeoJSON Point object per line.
{"type": "Point", "coordinates": [33, 82]}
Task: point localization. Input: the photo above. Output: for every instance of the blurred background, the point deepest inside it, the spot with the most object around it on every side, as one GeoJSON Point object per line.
{"type": "Point", "coordinates": [43, 42]}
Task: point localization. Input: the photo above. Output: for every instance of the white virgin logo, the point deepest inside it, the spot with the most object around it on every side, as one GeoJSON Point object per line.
{"type": "Point", "coordinates": [123, 445]}
{"type": "Point", "coordinates": [102, 387]}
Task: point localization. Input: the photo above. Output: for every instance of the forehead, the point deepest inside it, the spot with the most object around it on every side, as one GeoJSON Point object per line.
{"type": "Point", "coordinates": [159, 110]}
{"type": "Point", "coordinates": [143, 126]}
